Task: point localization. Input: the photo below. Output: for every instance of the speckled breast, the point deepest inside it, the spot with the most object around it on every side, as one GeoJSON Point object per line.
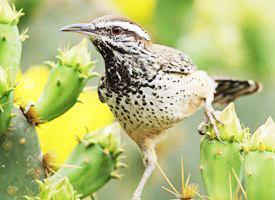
{"type": "Point", "coordinates": [161, 102]}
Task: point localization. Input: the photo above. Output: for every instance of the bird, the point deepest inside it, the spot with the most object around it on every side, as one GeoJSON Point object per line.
{"type": "Point", "coordinates": [150, 87]}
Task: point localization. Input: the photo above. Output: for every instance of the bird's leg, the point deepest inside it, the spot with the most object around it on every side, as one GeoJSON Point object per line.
{"type": "Point", "coordinates": [149, 157]}
{"type": "Point", "coordinates": [212, 116]}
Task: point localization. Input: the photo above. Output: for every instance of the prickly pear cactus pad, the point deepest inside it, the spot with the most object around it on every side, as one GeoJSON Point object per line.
{"type": "Point", "coordinates": [94, 161]}
{"type": "Point", "coordinates": [218, 159]}
{"type": "Point", "coordinates": [10, 43]}
{"type": "Point", "coordinates": [20, 163]}
{"type": "Point", "coordinates": [10, 55]}
{"type": "Point", "coordinates": [66, 80]}
{"type": "Point", "coordinates": [259, 163]}
{"type": "Point", "coordinates": [90, 113]}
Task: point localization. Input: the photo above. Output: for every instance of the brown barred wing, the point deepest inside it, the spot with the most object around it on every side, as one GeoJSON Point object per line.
{"type": "Point", "coordinates": [229, 89]}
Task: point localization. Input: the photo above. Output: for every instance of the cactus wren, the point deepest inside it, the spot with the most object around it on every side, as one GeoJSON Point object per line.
{"type": "Point", "coordinates": [150, 87]}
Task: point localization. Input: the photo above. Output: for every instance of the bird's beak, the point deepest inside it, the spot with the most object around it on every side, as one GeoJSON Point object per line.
{"type": "Point", "coordinates": [85, 28]}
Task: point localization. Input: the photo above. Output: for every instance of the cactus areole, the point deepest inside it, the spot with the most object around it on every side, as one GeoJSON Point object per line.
{"type": "Point", "coordinates": [20, 163]}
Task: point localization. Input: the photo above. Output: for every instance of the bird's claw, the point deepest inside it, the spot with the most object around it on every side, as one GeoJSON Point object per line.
{"type": "Point", "coordinates": [216, 115]}
{"type": "Point", "coordinates": [202, 128]}
{"type": "Point", "coordinates": [212, 117]}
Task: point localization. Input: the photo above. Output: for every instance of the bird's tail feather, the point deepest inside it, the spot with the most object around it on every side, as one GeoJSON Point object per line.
{"type": "Point", "coordinates": [228, 90]}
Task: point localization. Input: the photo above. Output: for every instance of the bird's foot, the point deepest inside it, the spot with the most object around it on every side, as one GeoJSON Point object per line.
{"type": "Point", "coordinates": [136, 198]}
{"type": "Point", "coordinates": [202, 126]}
{"type": "Point", "coordinates": [213, 117]}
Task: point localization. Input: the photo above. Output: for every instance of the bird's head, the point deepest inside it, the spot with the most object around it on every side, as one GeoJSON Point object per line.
{"type": "Point", "coordinates": [112, 32]}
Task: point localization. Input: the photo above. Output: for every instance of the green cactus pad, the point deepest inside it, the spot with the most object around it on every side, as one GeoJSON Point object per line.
{"type": "Point", "coordinates": [259, 163]}
{"type": "Point", "coordinates": [4, 83]}
{"type": "Point", "coordinates": [94, 161]}
{"type": "Point", "coordinates": [10, 55]}
{"type": "Point", "coordinates": [10, 49]}
{"type": "Point", "coordinates": [20, 163]}
{"type": "Point", "coordinates": [66, 81]}
{"type": "Point", "coordinates": [259, 175]}
{"type": "Point", "coordinates": [218, 160]}
{"type": "Point", "coordinates": [216, 163]}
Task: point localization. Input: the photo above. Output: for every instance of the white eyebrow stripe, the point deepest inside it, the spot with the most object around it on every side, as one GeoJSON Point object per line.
{"type": "Point", "coordinates": [125, 25]}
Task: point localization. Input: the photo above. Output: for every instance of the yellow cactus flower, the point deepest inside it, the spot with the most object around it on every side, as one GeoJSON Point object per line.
{"type": "Point", "coordinates": [59, 136]}
{"type": "Point", "coordinates": [138, 10]}
{"type": "Point", "coordinates": [30, 84]}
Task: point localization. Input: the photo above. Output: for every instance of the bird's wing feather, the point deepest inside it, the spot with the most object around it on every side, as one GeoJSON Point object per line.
{"type": "Point", "coordinates": [173, 60]}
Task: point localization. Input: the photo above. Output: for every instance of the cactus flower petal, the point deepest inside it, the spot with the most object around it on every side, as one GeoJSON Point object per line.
{"type": "Point", "coordinates": [8, 14]}
{"type": "Point", "coordinates": [58, 189]}
{"type": "Point", "coordinates": [231, 129]}
{"type": "Point", "coordinates": [264, 136]}
{"type": "Point", "coordinates": [77, 57]}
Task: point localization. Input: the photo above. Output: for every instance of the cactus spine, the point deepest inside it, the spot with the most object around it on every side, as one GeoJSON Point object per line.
{"type": "Point", "coordinates": [218, 160]}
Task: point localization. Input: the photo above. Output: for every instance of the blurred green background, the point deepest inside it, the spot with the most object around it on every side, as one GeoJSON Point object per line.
{"type": "Point", "coordinates": [228, 38]}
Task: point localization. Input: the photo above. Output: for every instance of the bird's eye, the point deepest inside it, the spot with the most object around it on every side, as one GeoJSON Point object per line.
{"type": "Point", "coordinates": [116, 30]}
